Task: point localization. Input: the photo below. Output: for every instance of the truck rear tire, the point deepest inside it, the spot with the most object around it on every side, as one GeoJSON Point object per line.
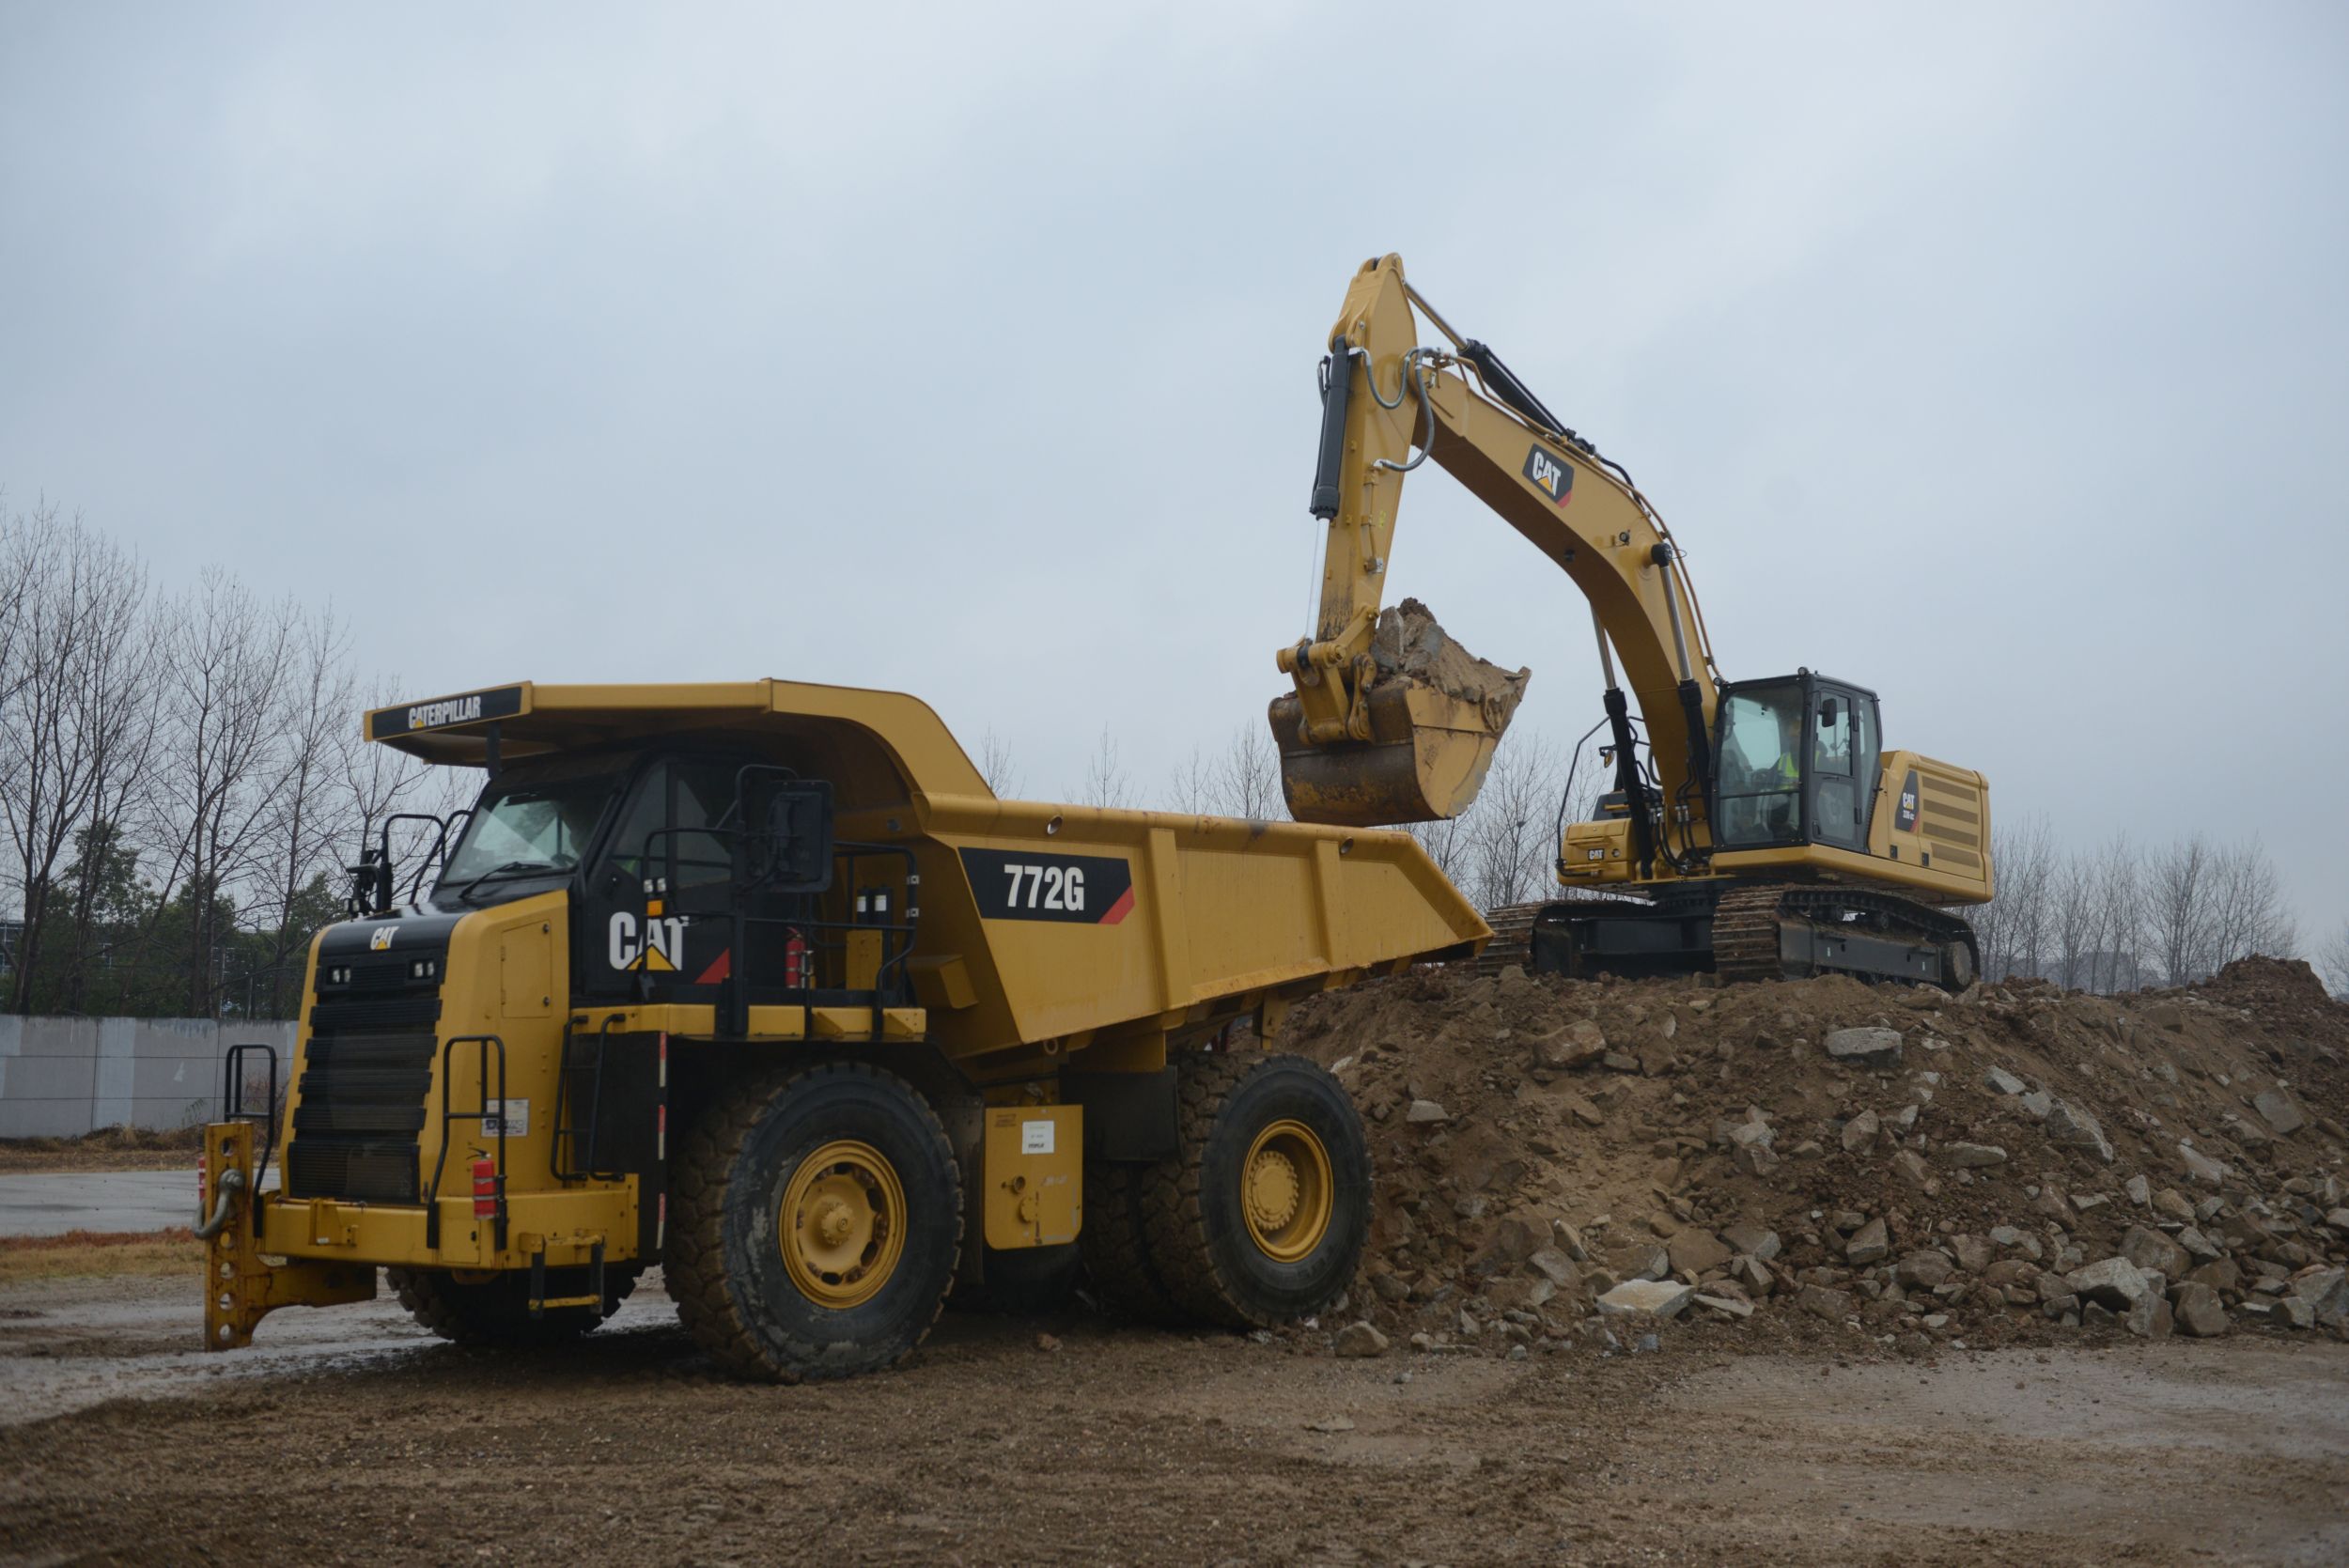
{"type": "Point", "coordinates": [497, 1311]}
{"type": "Point", "coordinates": [815, 1219]}
{"type": "Point", "coordinates": [1261, 1216]}
{"type": "Point", "coordinates": [1116, 1244]}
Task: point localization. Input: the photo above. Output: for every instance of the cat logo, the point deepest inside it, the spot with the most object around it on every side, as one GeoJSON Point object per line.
{"type": "Point", "coordinates": [661, 949]}
{"type": "Point", "coordinates": [380, 939]}
{"type": "Point", "coordinates": [1905, 812]}
{"type": "Point", "coordinates": [1553, 475]}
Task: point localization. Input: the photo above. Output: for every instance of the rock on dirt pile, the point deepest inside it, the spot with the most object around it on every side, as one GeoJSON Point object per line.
{"type": "Point", "coordinates": [1561, 1159]}
{"type": "Point", "coordinates": [1409, 642]}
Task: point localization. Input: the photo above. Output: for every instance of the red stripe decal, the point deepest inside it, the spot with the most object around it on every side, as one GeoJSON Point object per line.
{"type": "Point", "coordinates": [719, 970]}
{"type": "Point", "coordinates": [1119, 911]}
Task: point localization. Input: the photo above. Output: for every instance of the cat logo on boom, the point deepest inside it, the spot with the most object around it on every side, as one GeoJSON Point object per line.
{"type": "Point", "coordinates": [1553, 475]}
{"type": "Point", "coordinates": [659, 950]}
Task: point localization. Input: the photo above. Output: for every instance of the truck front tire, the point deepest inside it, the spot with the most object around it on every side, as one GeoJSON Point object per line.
{"type": "Point", "coordinates": [815, 1219]}
{"type": "Point", "coordinates": [497, 1311]}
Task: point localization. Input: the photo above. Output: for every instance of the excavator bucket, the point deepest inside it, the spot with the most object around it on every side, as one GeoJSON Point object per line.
{"type": "Point", "coordinates": [1424, 760]}
{"type": "Point", "coordinates": [1436, 713]}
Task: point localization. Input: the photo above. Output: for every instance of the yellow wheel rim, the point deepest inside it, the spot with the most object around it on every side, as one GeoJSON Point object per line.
{"type": "Point", "coordinates": [1285, 1192]}
{"type": "Point", "coordinates": [842, 1226]}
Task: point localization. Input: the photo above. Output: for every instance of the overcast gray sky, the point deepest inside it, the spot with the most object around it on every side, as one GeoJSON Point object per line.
{"type": "Point", "coordinates": [1995, 357]}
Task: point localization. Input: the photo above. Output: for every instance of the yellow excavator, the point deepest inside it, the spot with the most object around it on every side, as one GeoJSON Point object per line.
{"type": "Point", "coordinates": [1755, 828]}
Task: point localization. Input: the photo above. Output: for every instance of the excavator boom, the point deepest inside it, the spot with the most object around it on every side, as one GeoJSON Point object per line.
{"type": "Point", "coordinates": [1367, 739]}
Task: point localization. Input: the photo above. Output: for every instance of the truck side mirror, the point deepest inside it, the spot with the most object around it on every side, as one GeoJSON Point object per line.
{"type": "Point", "coordinates": [1827, 711]}
{"type": "Point", "coordinates": [796, 837]}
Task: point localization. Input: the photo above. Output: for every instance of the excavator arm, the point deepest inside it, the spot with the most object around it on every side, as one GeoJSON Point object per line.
{"type": "Point", "coordinates": [1362, 744]}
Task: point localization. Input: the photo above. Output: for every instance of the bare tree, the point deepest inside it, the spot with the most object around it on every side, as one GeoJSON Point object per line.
{"type": "Point", "coordinates": [1105, 782]}
{"type": "Point", "coordinates": [1193, 788]}
{"type": "Point", "coordinates": [2013, 928]}
{"type": "Point", "coordinates": [1248, 777]}
{"type": "Point", "coordinates": [20, 555]}
{"type": "Point", "coordinates": [25, 564]}
{"type": "Point", "coordinates": [2332, 962]}
{"type": "Point", "coordinates": [313, 812]}
{"type": "Point", "coordinates": [226, 661]}
{"type": "Point", "coordinates": [122, 709]}
{"type": "Point", "coordinates": [79, 641]}
{"type": "Point", "coordinates": [2248, 914]}
{"type": "Point", "coordinates": [1512, 829]}
{"type": "Point", "coordinates": [2177, 910]}
{"type": "Point", "coordinates": [2074, 906]}
{"type": "Point", "coordinates": [996, 765]}
{"type": "Point", "coordinates": [2120, 916]}
{"type": "Point", "coordinates": [1448, 844]}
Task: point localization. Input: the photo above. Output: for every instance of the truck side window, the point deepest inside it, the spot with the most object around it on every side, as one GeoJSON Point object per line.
{"type": "Point", "coordinates": [692, 796]}
{"type": "Point", "coordinates": [647, 809]}
{"type": "Point", "coordinates": [702, 794]}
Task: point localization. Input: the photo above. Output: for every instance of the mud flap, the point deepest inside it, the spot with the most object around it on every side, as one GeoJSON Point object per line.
{"type": "Point", "coordinates": [241, 1287]}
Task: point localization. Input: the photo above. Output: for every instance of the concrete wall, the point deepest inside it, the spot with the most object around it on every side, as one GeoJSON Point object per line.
{"type": "Point", "coordinates": [61, 1077]}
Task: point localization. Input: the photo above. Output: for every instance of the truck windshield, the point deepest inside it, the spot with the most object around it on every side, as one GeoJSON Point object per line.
{"type": "Point", "coordinates": [540, 823]}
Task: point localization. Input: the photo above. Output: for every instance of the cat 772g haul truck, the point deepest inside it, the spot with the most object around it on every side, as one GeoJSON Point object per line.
{"type": "Point", "coordinates": [761, 982]}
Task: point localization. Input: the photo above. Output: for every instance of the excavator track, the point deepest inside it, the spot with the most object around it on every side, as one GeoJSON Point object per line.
{"type": "Point", "coordinates": [1513, 938]}
{"type": "Point", "coordinates": [1748, 923]}
{"type": "Point", "coordinates": [1858, 931]}
{"type": "Point", "coordinates": [1745, 933]}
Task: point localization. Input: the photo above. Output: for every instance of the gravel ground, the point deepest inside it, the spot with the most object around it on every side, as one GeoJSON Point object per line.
{"type": "Point", "coordinates": [346, 1434]}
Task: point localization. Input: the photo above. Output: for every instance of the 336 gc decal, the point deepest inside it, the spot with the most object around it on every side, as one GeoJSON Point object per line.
{"type": "Point", "coordinates": [1019, 884]}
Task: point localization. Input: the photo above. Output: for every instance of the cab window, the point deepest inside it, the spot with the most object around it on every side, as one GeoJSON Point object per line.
{"type": "Point", "coordinates": [539, 817]}
{"type": "Point", "coordinates": [693, 796]}
{"type": "Point", "coordinates": [1761, 765]}
{"type": "Point", "coordinates": [1832, 735]}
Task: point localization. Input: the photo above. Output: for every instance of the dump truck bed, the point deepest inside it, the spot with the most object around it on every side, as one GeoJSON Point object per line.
{"type": "Point", "coordinates": [1040, 926]}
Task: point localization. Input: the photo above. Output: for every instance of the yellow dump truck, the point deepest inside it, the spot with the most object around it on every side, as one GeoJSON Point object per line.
{"type": "Point", "coordinates": [761, 982]}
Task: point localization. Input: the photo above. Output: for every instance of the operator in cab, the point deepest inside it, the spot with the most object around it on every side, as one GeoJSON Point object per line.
{"type": "Point", "coordinates": [1782, 808]}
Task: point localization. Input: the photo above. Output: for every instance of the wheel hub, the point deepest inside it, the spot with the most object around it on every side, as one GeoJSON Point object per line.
{"type": "Point", "coordinates": [840, 1225]}
{"type": "Point", "coordinates": [1272, 1188]}
{"type": "Point", "coordinates": [835, 1219]}
{"type": "Point", "coordinates": [1287, 1193]}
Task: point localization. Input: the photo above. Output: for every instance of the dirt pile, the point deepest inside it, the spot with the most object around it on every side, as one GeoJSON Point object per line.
{"type": "Point", "coordinates": [1562, 1159]}
{"type": "Point", "coordinates": [1409, 645]}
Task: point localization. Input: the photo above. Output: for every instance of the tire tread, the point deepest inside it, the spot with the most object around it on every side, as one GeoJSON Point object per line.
{"type": "Point", "coordinates": [693, 1260]}
{"type": "Point", "coordinates": [1185, 1254]}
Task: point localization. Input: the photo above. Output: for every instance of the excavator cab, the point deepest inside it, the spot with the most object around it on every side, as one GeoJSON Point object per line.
{"type": "Point", "coordinates": [1796, 760]}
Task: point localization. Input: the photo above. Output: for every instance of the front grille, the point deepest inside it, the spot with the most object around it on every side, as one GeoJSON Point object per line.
{"type": "Point", "coordinates": [366, 1075]}
{"type": "Point", "coordinates": [1950, 822]}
